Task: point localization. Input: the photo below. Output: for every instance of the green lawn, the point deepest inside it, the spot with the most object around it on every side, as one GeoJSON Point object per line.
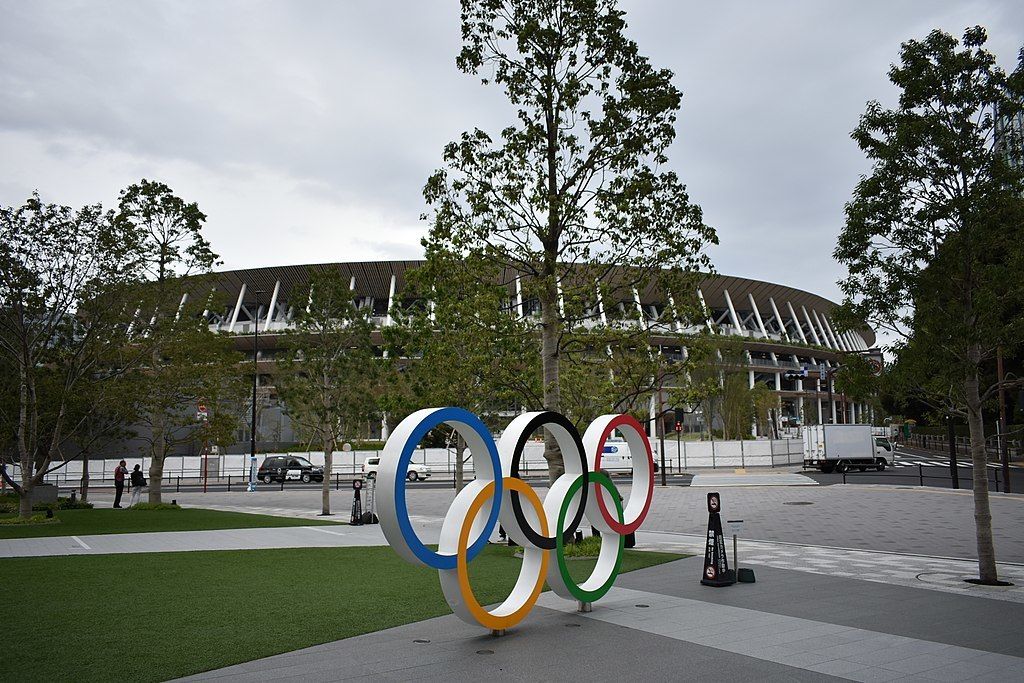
{"type": "Point", "coordinates": [162, 615]}
{"type": "Point", "coordinates": [109, 521]}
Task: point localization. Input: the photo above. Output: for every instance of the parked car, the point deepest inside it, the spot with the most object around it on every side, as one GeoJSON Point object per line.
{"type": "Point", "coordinates": [415, 473]}
{"type": "Point", "coordinates": [288, 468]}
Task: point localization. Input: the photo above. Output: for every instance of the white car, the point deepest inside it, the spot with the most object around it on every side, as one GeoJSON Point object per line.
{"type": "Point", "coordinates": [415, 473]}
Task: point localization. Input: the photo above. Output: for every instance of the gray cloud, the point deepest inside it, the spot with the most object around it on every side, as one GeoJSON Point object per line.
{"type": "Point", "coordinates": [306, 130]}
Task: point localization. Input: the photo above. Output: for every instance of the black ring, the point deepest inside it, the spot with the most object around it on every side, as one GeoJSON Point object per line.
{"type": "Point", "coordinates": [550, 417]}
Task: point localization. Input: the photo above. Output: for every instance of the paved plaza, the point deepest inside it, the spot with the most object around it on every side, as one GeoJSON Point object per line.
{"type": "Point", "coordinates": [661, 624]}
{"type": "Point", "coordinates": [853, 582]}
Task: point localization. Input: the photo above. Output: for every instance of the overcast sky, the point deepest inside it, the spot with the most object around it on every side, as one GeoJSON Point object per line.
{"type": "Point", "coordinates": [305, 130]}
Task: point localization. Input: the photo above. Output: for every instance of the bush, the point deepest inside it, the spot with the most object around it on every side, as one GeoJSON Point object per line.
{"type": "Point", "coordinates": [34, 519]}
{"type": "Point", "coordinates": [10, 503]}
{"type": "Point", "coordinates": [154, 506]}
{"type": "Point", "coordinates": [590, 546]}
{"type": "Point", "coordinates": [63, 504]}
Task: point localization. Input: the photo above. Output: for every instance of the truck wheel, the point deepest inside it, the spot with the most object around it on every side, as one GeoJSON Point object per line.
{"type": "Point", "coordinates": [828, 467]}
{"type": "Point", "coordinates": [412, 476]}
{"type": "Point", "coordinates": [840, 467]}
{"type": "Point", "coordinates": [881, 465]}
{"type": "Point", "coordinates": [862, 468]}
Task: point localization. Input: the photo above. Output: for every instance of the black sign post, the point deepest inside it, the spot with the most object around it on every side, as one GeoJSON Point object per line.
{"type": "Point", "coordinates": [716, 563]}
{"type": "Point", "coordinates": [357, 503]}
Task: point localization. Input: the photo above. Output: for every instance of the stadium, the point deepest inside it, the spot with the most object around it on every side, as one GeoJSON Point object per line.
{"type": "Point", "coordinates": [782, 329]}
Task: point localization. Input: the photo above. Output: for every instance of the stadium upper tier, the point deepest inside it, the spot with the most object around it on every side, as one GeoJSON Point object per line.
{"type": "Point", "coordinates": [773, 317]}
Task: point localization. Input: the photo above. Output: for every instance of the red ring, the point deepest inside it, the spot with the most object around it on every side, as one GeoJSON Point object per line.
{"type": "Point", "coordinates": [623, 528]}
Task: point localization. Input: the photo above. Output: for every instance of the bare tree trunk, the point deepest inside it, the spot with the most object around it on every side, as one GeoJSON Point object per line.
{"type": "Point", "coordinates": [84, 490]}
{"type": "Point", "coordinates": [460, 449]}
{"type": "Point", "coordinates": [549, 358]}
{"type": "Point", "coordinates": [987, 572]}
{"type": "Point", "coordinates": [156, 464]}
{"type": "Point", "coordinates": [325, 494]}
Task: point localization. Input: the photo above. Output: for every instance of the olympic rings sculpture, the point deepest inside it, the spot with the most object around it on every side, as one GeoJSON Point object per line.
{"type": "Point", "coordinates": [499, 495]}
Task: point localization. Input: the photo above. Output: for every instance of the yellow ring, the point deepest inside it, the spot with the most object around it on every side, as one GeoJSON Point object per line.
{"type": "Point", "coordinates": [483, 617]}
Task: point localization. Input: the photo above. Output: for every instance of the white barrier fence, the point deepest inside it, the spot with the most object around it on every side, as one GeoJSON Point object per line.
{"type": "Point", "coordinates": [679, 457]}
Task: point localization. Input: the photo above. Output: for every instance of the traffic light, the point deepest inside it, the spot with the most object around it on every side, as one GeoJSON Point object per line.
{"type": "Point", "coordinates": [795, 374]}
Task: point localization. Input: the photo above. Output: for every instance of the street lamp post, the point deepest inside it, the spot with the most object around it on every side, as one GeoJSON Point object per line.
{"type": "Point", "coordinates": [255, 382]}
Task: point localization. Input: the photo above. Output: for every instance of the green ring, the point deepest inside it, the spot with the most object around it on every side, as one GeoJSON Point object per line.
{"type": "Point", "coordinates": [577, 592]}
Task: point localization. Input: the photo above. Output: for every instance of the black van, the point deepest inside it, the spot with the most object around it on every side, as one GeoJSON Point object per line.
{"type": "Point", "coordinates": [290, 468]}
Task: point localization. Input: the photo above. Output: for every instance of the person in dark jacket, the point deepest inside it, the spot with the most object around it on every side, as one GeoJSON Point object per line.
{"type": "Point", "coordinates": [138, 483]}
{"type": "Point", "coordinates": [119, 473]}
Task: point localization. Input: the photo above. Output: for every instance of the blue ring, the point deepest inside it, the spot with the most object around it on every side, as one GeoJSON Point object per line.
{"type": "Point", "coordinates": [422, 552]}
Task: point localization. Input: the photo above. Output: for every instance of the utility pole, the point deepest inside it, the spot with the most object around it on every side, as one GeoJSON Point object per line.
{"type": "Point", "coordinates": [1004, 446]}
{"type": "Point", "coordinates": [255, 382]}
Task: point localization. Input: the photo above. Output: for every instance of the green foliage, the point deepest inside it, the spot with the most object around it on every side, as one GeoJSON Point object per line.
{"type": "Point", "coordinates": [570, 208]}
{"type": "Point", "coordinates": [590, 546]}
{"type": "Point", "coordinates": [28, 521]}
{"type": "Point", "coordinates": [331, 380]}
{"type": "Point", "coordinates": [155, 506]}
{"type": "Point", "coordinates": [934, 235]}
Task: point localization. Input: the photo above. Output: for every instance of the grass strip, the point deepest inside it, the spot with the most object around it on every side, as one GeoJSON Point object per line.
{"type": "Point", "coordinates": [156, 616]}
{"type": "Point", "coordinates": [108, 521]}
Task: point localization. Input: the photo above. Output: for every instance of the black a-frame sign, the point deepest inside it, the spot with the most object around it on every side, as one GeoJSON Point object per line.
{"type": "Point", "coordinates": [716, 563]}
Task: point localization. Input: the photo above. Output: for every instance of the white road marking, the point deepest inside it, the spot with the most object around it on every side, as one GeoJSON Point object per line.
{"type": "Point", "coordinates": [324, 531]}
{"type": "Point", "coordinates": [80, 542]}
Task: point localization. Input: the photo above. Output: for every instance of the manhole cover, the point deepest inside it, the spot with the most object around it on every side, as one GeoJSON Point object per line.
{"type": "Point", "coordinates": [799, 502]}
{"type": "Point", "coordinates": [485, 652]}
{"type": "Point", "coordinates": [420, 640]}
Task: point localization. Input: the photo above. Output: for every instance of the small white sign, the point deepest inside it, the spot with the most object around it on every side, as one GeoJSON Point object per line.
{"type": "Point", "coordinates": [735, 526]}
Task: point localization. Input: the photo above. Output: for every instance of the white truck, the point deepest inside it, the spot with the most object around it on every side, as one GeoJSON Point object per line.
{"type": "Point", "coordinates": [838, 448]}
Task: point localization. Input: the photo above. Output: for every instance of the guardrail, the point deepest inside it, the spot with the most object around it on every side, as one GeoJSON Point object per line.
{"type": "Point", "coordinates": [932, 442]}
{"type": "Point", "coordinates": [991, 473]}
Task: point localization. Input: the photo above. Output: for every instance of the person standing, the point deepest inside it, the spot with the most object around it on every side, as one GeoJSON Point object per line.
{"type": "Point", "coordinates": [119, 473]}
{"type": "Point", "coordinates": [138, 483]}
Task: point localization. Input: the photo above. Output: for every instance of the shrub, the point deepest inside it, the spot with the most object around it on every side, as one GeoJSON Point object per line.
{"type": "Point", "coordinates": [590, 546]}
{"type": "Point", "coordinates": [62, 504]}
{"type": "Point", "coordinates": [34, 519]}
{"type": "Point", "coordinates": [154, 506]}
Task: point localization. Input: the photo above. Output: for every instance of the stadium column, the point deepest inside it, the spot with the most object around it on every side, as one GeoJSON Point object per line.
{"type": "Point", "coordinates": [704, 308]}
{"type": "Point", "coordinates": [757, 315]}
{"type": "Point", "coordinates": [732, 314]}
{"type": "Point", "coordinates": [238, 308]}
{"type": "Point", "coordinates": [778, 319]}
{"type": "Point", "coordinates": [810, 325]}
{"type": "Point", "coordinates": [519, 296]}
{"type": "Point", "coordinates": [675, 317]}
{"type": "Point", "coordinates": [273, 306]}
{"type": "Point", "coordinates": [824, 333]}
{"type": "Point", "coordinates": [796, 322]}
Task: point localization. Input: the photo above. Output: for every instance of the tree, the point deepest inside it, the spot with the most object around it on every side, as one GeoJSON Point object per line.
{"type": "Point", "coordinates": [574, 196]}
{"type": "Point", "coordinates": [456, 342]}
{"type": "Point", "coordinates": [61, 277]}
{"type": "Point", "coordinates": [185, 362]}
{"type": "Point", "coordinates": [330, 382]}
{"type": "Point", "coordinates": [933, 236]}
{"type": "Point", "coordinates": [765, 403]}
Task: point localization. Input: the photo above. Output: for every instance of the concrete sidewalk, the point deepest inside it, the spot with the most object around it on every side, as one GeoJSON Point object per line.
{"type": "Point", "coordinates": [661, 624]}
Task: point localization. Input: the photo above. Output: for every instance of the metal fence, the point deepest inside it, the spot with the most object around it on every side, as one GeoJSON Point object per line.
{"type": "Point", "coordinates": [931, 442]}
{"type": "Point", "coordinates": [230, 470]}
